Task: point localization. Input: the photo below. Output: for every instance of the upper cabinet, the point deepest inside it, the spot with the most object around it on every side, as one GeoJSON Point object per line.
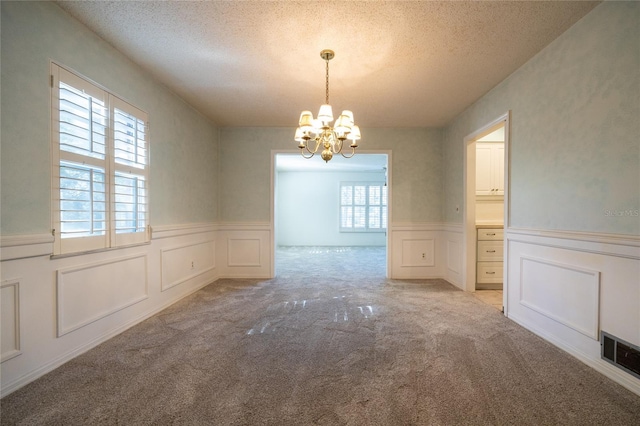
{"type": "Point", "coordinates": [489, 168]}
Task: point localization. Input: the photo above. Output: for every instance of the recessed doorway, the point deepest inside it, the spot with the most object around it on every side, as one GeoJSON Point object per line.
{"type": "Point", "coordinates": [323, 207]}
{"type": "Point", "coordinates": [486, 207]}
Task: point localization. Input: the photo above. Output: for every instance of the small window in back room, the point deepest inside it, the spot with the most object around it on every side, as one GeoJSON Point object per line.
{"type": "Point", "coordinates": [363, 207]}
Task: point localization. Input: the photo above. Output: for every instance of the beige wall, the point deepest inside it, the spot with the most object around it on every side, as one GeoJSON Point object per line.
{"type": "Point", "coordinates": [575, 151]}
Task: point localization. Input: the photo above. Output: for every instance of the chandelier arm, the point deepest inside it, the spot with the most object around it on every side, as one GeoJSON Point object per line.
{"type": "Point", "coordinates": [306, 146]}
{"type": "Point", "coordinates": [307, 156]}
{"type": "Point", "coordinates": [353, 152]}
{"type": "Point", "coordinates": [318, 142]}
{"type": "Point", "coordinates": [339, 145]}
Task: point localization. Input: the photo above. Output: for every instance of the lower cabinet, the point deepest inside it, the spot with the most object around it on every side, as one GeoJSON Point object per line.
{"type": "Point", "coordinates": [489, 257]}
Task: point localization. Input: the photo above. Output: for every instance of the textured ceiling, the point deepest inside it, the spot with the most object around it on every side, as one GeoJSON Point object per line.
{"type": "Point", "coordinates": [397, 64]}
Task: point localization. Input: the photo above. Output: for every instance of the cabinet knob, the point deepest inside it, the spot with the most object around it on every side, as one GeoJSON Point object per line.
{"type": "Point", "coordinates": [490, 273]}
{"type": "Point", "coordinates": [491, 251]}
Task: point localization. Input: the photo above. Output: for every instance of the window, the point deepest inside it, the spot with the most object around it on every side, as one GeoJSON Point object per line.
{"type": "Point", "coordinates": [363, 207]}
{"type": "Point", "coordinates": [100, 167]}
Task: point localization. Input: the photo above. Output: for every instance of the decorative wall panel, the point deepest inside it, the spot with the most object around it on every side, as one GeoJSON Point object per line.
{"type": "Point", "coordinates": [87, 293]}
{"type": "Point", "coordinates": [243, 252]}
{"type": "Point", "coordinates": [454, 256]}
{"type": "Point", "coordinates": [181, 263]}
{"type": "Point", "coordinates": [562, 292]}
{"type": "Point", "coordinates": [418, 253]}
{"type": "Point", "coordinates": [10, 316]}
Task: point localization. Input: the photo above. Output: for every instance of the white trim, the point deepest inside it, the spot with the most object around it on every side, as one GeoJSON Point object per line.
{"type": "Point", "coordinates": [168, 231]}
{"type": "Point", "coordinates": [627, 246]}
{"type": "Point", "coordinates": [16, 301]}
{"type": "Point", "coordinates": [15, 247]}
{"type": "Point", "coordinates": [418, 226]}
{"type": "Point", "coordinates": [244, 226]}
{"type": "Point", "coordinates": [453, 227]}
{"type": "Point", "coordinates": [25, 240]}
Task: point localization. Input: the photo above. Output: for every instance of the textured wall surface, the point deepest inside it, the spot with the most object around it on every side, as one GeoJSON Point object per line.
{"type": "Point", "coordinates": [307, 218]}
{"type": "Point", "coordinates": [575, 151]}
{"type": "Point", "coordinates": [245, 161]}
{"type": "Point", "coordinates": [183, 143]}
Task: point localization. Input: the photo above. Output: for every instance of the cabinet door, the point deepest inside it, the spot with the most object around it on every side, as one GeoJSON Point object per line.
{"type": "Point", "coordinates": [497, 168]}
{"type": "Point", "coordinates": [483, 169]}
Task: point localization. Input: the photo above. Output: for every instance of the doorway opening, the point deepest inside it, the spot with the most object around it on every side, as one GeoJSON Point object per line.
{"type": "Point", "coordinates": [487, 210]}
{"type": "Point", "coordinates": [336, 212]}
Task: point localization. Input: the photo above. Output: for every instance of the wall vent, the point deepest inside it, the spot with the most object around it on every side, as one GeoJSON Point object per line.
{"type": "Point", "coordinates": [622, 354]}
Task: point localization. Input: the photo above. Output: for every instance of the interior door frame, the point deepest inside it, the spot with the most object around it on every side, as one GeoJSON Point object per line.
{"type": "Point", "coordinates": [272, 207]}
{"type": "Point", "coordinates": [469, 232]}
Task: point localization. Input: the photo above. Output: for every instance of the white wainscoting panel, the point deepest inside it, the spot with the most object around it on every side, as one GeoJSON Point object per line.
{"type": "Point", "coordinates": [452, 253]}
{"type": "Point", "coordinates": [418, 253]}
{"type": "Point", "coordinates": [567, 286]}
{"type": "Point", "coordinates": [89, 292]}
{"type": "Point", "coordinates": [184, 262]}
{"type": "Point", "coordinates": [564, 293]}
{"type": "Point", "coordinates": [454, 257]}
{"type": "Point", "coordinates": [10, 319]}
{"type": "Point", "coordinates": [415, 251]}
{"type": "Point", "coordinates": [247, 251]}
{"type": "Point", "coordinates": [243, 252]}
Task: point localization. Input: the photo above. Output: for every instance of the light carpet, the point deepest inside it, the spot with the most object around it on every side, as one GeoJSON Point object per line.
{"type": "Point", "coordinates": [330, 341]}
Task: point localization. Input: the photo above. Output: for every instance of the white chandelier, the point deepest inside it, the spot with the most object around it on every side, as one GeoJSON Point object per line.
{"type": "Point", "coordinates": [320, 132]}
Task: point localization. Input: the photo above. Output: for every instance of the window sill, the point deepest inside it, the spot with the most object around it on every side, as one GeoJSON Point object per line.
{"type": "Point", "coordinates": [363, 231]}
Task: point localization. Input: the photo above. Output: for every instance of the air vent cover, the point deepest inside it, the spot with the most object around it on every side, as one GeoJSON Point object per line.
{"type": "Point", "coordinates": [622, 354]}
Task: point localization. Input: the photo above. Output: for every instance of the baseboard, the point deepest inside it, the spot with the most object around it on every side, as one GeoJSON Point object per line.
{"type": "Point", "coordinates": [39, 372]}
{"type": "Point", "coordinates": [626, 380]}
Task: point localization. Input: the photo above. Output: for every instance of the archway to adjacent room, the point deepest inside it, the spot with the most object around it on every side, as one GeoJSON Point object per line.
{"type": "Point", "coordinates": [343, 205]}
{"type": "Point", "coordinates": [486, 207]}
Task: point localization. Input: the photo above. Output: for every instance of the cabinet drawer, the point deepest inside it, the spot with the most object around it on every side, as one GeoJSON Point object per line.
{"type": "Point", "coordinates": [490, 251]}
{"type": "Point", "coordinates": [489, 272]}
{"type": "Point", "coordinates": [486, 234]}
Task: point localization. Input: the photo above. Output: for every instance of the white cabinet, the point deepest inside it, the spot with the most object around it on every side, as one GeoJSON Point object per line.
{"type": "Point", "coordinates": [490, 254]}
{"type": "Point", "coordinates": [489, 168]}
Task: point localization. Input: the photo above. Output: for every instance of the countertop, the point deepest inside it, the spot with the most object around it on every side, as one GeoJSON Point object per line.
{"type": "Point", "coordinates": [490, 225]}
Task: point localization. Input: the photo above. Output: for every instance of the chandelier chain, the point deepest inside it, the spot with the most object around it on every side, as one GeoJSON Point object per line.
{"type": "Point", "coordinates": [327, 82]}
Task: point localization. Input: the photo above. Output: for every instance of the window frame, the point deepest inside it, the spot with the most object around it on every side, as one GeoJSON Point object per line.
{"type": "Point", "coordinates": [111, 238]}
{"type": "Point", "coordinates": [367, 207]}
